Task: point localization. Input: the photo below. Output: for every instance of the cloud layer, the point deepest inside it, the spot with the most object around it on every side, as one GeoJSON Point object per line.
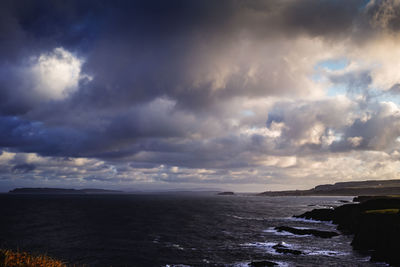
{"type": "Point", "coordinates": [178, 94]}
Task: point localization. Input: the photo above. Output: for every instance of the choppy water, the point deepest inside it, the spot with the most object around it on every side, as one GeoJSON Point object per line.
{"type": "Point", "coordinates": [169, 229]}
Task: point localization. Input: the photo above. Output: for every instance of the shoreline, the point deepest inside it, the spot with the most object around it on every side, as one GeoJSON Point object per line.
{"type": "Point", "coordinates": [374, 224]}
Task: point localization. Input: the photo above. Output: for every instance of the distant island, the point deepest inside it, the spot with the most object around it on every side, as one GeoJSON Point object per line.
{"type": "Point", "coordinates": [227, 193]}
{"type": "Point", "coordinates": [62, 191]}
{"type": "Point", "coordinates": [371, 188]}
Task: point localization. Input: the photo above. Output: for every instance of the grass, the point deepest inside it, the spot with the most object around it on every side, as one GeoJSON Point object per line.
{"type": "Point", "coordinates": [382, 211]}
{"type": "Point", "coordinates": [10, 258]}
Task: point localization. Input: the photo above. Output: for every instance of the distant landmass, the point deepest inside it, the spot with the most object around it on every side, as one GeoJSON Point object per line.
{"type": "Point", "coordinates": [62, 191]}
{"type": "Point", "coordinates": [226, 193]}
{"type": "Point", "coordinates": [371, 188]}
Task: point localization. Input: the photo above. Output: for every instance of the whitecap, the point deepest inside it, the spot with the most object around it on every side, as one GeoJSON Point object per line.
{"type": "Point", "coordinates": [245, 218]}
{"type": "Point", "coordinates": [309, 221]}
{"type": "Point", "coordinates": [246, 264]}
{"type": "Point", "coordinates": [266, 246]}
{"type": "Point", "coordinates": [177, 246]}
{"type": "Point", "coordinates": [325, 253]}
{"type": "Point", "coordinates": [283, 233]}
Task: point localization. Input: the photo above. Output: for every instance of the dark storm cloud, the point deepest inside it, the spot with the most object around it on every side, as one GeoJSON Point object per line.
{"type": "Point", "coordinates": [149, 50]}
{"type": "Point", "coordinates": [140, 50]}
{"type": "Point", "coordinates": [356, 81]}
{"type": "Point", "coordinates": [27, 27]}
{"type": "Point", "coordinates": [384, 14]}
{"type": "Point", "coordinates": [23, 168]}
{"type": "Point", "coordinates": [26, 136]}
{"type": "Point", "coordinates": [323, 18]}
{"type": "Point", "coordinates": [395, 89]}
{"type": "Point", "coordinates": [378, 133]}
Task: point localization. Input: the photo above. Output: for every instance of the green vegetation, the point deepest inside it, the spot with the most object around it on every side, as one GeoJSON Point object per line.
{"type": "Point", "coordinates": [10, 258]}
{"type": "Point", "coordinates": [382, 211]}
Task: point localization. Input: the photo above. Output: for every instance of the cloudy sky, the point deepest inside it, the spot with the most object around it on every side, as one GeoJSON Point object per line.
{"type": "Point", "coordinates": [238, 95]}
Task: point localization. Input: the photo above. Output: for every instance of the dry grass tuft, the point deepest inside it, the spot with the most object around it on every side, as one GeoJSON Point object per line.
{"type": "Point", "coordinates": [383, 211]}
{"type": "Point", "coordinates": [10, 258]}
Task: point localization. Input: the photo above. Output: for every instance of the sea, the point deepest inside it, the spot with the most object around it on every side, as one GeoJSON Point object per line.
{"type": "Point", "coordinates": [171, 229]}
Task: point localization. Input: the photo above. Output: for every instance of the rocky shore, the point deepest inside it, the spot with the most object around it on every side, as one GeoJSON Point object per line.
{"type": "Point", "coordinates": [374, 222]}
{"type": "Point", "coordinates": [297, 231]}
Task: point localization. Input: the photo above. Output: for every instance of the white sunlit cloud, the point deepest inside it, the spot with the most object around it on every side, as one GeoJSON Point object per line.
{"type": "Point", "coordinates": [56, 74]}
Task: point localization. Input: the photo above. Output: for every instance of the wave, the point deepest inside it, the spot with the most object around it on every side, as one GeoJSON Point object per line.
{"type": "Point", "coordinates": [282, 233]}
{"type": "Point", "coordinates": [268, 248]}
{"type": "Point", "coordinates": [245, 218]}
{"type": "Point", "coordinates": [325, 253]}
{"type": "Point", "coordinates": [309, 221]}
{"type": "Point", "coordinates": [247, 264]}
{"type": "Point", "coordinates": [175, 246]}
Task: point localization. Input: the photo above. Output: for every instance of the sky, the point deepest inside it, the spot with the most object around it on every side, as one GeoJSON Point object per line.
{"type": "Point", "coordinates": [248, 96]}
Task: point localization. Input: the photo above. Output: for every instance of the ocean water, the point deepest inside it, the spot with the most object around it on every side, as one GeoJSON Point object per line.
{"type": "Point", "coordinates": [170, 230]}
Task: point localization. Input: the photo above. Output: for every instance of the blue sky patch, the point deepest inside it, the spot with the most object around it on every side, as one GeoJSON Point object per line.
{"type": "Point", "coordinates": [332, 64]}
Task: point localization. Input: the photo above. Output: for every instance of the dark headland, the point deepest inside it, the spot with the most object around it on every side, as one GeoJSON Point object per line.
{"type": "Point", "coordinates": [374, 221]}
{"type": "Point", "coordinates": [374, 224]}
{"type": "Point", "coordinates": [226, 193]}
{"type": "Point", "coordinates": [370, 188]}
{"type": "Point", "coordinates": [373, 218]}
{"type": "Point", "coordinates": [62, 191]}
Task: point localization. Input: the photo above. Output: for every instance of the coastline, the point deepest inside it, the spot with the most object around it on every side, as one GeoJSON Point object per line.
{"type": "Point", "coordinates": [251, 223]}
{"type": "Point", "coordinates": [374, 224]}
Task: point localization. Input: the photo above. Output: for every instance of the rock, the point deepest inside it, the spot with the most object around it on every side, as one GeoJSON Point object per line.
{"type": "Point", "coordinates": [365, 198]}
{"type": "Point", "coordinates": [317, 233]}
{"type": "Point", "coordinates": [262, 264]}
{"type": "Point", "coordinates": [380, 203]}
{"type": "Point", "coordinates": [375, 223]}
{"type": "Point", "coordinates": [280, 248]}
{"type": "Point", "coordinates": [344, 216]}
{"type": "Point", "coordinates": [317, 214]}
{"type": "Point", "coordinates": [381, 233]}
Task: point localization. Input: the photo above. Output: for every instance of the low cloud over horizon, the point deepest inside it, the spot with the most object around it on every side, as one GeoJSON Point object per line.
{"type": "Point", "coordinates": [238, 95]}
